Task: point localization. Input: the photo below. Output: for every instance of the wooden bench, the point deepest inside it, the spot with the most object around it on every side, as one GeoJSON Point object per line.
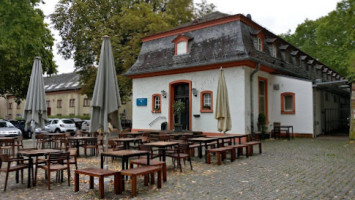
{"type": "Point", "coordinates": [239, 148]}
{"type": "Point", "coordinates": [250, 147]}
{"type": "Point", "coordinates": [221, 154]}
{"type": "Point", "coordinates": [143, 162]}
{"type": "Point", "coordinates": [194, 146]}
{"type": "Point", "coordinates": [101, 173]}
{"type": "Point", "coordinates": [140, 171]}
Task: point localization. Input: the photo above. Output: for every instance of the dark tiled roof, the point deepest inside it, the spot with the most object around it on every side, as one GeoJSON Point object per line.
{"type": "Point", "coordinates": [223, 43]}
{"type": "Point", "coordinates": [62, 82]}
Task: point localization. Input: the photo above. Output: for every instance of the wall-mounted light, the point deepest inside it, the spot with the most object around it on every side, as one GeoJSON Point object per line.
{"type": "Point", "coordinates": [163, 93]}
{"type": "Point", "coordinates": [194, 92]}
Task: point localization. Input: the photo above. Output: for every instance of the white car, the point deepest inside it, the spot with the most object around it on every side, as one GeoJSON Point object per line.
{"type": "Point", "coordinates": [61, 126]}
{"type": "Point", "coordinates": [9, 130]}
{"type": "Point", "coordinates": [85, 126]}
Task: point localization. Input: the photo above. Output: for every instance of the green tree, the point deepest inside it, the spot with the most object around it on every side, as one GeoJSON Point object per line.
{"type": "Point", "coordinates": [331, 38]}
{"type": "Point", "coordinates": [23, 35]}
{"type": "Point", "coordinates": [82, 23]}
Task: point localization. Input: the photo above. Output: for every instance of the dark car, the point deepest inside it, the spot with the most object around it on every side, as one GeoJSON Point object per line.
{"type": "Point", "coordinates": [20, 124]}
{"type": "Point", "coordinates": [77, 122]}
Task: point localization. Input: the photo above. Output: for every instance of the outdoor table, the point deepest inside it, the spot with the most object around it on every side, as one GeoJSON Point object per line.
{"type": "Point", "coordinates": [34, 153]}
{"type": "Point", "coordinates": [50, 137]}
{"type": "Point", "coordinates": [162, 146]}
{"type": "Point", "coordinates": [287, 128]}
{"type": "Point", "coordinates": [178, 135]}
{"type": "Point", "coordinates": [231, 137]}
{"type": "Point", "coordinates": [77, 141]}
{"type": "Point", "coordinates": [134, 134]}
{"type": "Point", "coordinates": [126, 141]}
{"type": "Point", "coordinates": [124, 155]}
{"type": "Point", "coordinates": [204, 140]}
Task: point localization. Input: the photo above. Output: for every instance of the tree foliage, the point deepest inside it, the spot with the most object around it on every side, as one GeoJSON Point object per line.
{"type": "Point", "coordinates": [82, 23]}
{"type": "Point", "coordinates": [331, 38]}
{"type": "Point", "coordinates": [23, 36]}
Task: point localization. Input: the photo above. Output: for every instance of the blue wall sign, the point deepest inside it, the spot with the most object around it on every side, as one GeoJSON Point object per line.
{"type": "Point", "coordinates": [141, 101]}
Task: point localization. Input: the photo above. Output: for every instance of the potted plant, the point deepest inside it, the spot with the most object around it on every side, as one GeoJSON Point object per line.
{"type": "Point", "coordinates": [262, 125]}
{"type": "Point", "coordinates": [179, 108]}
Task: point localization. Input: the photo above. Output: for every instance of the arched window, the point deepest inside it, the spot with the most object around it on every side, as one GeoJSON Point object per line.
{"type": "Point", "coordinates": [206, 104]}
{"type": "Point", "coordinates": [156, 103]}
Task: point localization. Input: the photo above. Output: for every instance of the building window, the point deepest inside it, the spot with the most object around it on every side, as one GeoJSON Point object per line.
{"type": "Point", "coordinates": [273, 51]}
{"type": "Point", "coordinates": [156, 103]}
{"type": "Point", "coordinates": [263, 96]}
{"type": "Point", "coordinates": [86, 102]}
{"type": "Point", "coordinates": [71, 102]}
{"type": "Point", "coordinates": [181, 48]}
{"type": "Point", "coordinates": [59, 103]}
{"type": "Point", "coordinates": [10, 105]}
{"type": "Point", "coordinates": [181, 44]}
{"type": "Point", "coordinates": [10, 116]}
{"type": "Point", "coordinates": [206, 102]}
{"type": "Point", "coordinates": [48, 102]}
{"type": "Point", "coordinates": [258, 43]}
{"type": "Point", "coordinates": [18, 106]}
{"type": "Point", "coordinates": [288, 103]}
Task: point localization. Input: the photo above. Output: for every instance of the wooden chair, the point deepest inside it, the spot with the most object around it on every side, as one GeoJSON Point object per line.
{"type": "Point", "coordinates": [18, 167]}
{"type": "Point", "coordinates": [7, 146]}
{"type": "Point", "coordinates": [93, 145]}
{"type": "Point", "coordinates": [164, 138]}
{"type": "Point", "coordinates": [41, 141]}
{"type": "Point", "coordinates": [100, 142]}
{"type": "Point", "coordinates": [55, 162]}
{"type": "Point", "coordinates": [19, 142]}
{"type": "Point", "coordinates": [182, 151]}
{"type": "Point", "coordinates": [73, 157]}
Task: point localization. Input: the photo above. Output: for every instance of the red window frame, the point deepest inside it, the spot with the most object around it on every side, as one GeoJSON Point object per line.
{"type": "Point", "coordinates": [153, 103]}
{"type": "Point", "coordinates": [283, 111]}
{"type": "Point", "coordinates": [202, 100]}
{"type": "Point", "coordinates": [266, 96]}
{"type": "Point", "coordinates": [179, 39]}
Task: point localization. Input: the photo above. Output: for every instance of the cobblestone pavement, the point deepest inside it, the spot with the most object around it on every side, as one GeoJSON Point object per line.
{"type": "Point", "coordinates": [320, 168]}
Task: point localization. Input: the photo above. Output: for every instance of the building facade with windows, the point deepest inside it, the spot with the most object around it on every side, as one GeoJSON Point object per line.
{"type": "Point", "coordinates": [62, 99]}
{"type": "Point", "coordinates": [264, 74]}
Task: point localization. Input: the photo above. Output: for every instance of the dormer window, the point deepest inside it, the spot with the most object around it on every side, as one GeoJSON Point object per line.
{"type": "Point", "coordinates": [258, 43]}
{"type": "Point", "coordinates": [273, 50]}
{"type": "Point", "coordinates": [181, 44]}
{"type": "Point", "coordinates": [181, 48]}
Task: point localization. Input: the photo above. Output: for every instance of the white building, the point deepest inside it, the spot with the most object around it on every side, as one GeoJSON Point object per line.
{"type": "Point", "coordinates": [264, 74]}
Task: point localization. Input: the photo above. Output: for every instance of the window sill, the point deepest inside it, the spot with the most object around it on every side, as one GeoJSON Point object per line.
{"type": "Point", "coordinates": [288, 112]}
{"type": "Point", "coordinates": [206, 111]}
{"type": "Point", "coordinates": [156, 111]}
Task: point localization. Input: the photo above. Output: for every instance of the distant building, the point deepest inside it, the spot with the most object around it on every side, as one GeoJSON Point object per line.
{"type": "Point", "coordinates": [62, 98]}
{"type": "Point", "coordinates": [264, 74]}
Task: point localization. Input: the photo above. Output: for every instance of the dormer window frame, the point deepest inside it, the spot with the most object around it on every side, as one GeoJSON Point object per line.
{"type": "Point", "coordinates": [259, 39]}
{"type": "Point", "coordinates": [178, 40]}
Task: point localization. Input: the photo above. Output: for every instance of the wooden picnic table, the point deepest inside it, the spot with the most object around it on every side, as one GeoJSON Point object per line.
{"type": "Point", "coordinates": [204, 140]}
{"type": "Point", "coordinates": [34, 153]}
{"type": "Point", "coordinates": [231, 137]}
{"type": "Point", "coordinates": [134, 134]}
{"type": "Point", "coordinates": [126, 141]}
{"type": "Point", "coordinates": [162, 146]}
{"type": "Point", "coordinates": [124, 155]}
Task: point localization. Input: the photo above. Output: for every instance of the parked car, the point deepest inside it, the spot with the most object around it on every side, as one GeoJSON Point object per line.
{"type": "Point", "coordinates": [61, 126]}
{"type": "Point", "coordinates": [85, 125]}
{"type": "Point", "coordinates": [20, 124]}
{"type": "Point", "coordinates": [77, 122]}
{"type": "Point", "coordinates": [8, 130]}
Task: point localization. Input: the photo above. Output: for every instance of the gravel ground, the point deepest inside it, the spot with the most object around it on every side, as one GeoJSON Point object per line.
{"type": "Point", "coordinates": [320, 168]}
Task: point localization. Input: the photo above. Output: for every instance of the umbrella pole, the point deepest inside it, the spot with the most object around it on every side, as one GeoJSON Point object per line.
{"type": "Point", "coordinates": [33, 126]}
{"type": "Point", "coordinates": [106, 150]}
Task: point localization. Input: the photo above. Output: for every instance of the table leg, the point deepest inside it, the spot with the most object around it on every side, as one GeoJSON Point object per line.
{"type": "Point", "coordinates": [101, 187]}
{"type": "Point", "coordinates": [102, 161]}
{"type": "Point", "coordinates": [91, 182]}
{"type": "Point", "coordinates": [123, 167]}
{"type": "Point", "coordinates": [163, 152]}
{"type": "Point", "coordinates": [30, 166]}
{"type": "Point", "coordinates": [116, 183]}
{"type": "Point", "coordinates": [200, 150]}
{"type": "Point", "coordinates": [76, 181]}
{"type": "Point", "coordinates": [148, 160]}
{"type": "Point", "coordinates": [206, 151]}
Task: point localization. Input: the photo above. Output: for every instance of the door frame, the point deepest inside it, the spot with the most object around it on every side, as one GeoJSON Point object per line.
{"type": "Point", "coordinates": [171, 102]}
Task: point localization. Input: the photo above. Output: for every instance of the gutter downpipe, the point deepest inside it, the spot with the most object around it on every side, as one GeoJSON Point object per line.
{"type": "Point", "coordinates": [252, 98]}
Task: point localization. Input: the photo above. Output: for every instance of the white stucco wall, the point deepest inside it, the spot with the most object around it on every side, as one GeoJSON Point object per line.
{"type": "Point", "coordinates": [203, 80]}
{"type": "Point", "coordinates": [302, 120]}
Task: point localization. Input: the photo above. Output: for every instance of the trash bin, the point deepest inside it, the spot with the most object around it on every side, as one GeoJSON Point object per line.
{"type": "Point", "coordinates": [164, 126]}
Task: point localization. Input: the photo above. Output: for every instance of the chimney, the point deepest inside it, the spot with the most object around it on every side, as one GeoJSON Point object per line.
{"type": "Point", "coordinates": [249, 16]}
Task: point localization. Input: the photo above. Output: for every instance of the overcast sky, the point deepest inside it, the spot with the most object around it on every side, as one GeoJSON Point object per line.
{"type": "Point", "coordinates": [278, 16]}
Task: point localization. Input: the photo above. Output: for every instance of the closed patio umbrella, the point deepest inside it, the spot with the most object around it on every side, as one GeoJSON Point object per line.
{"type": "Point", "coordinates": [35, 108]}
{"type": "Point", "coordinates": [106, 97]}
{"type": "Point", "coordinates": [222, 113]}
